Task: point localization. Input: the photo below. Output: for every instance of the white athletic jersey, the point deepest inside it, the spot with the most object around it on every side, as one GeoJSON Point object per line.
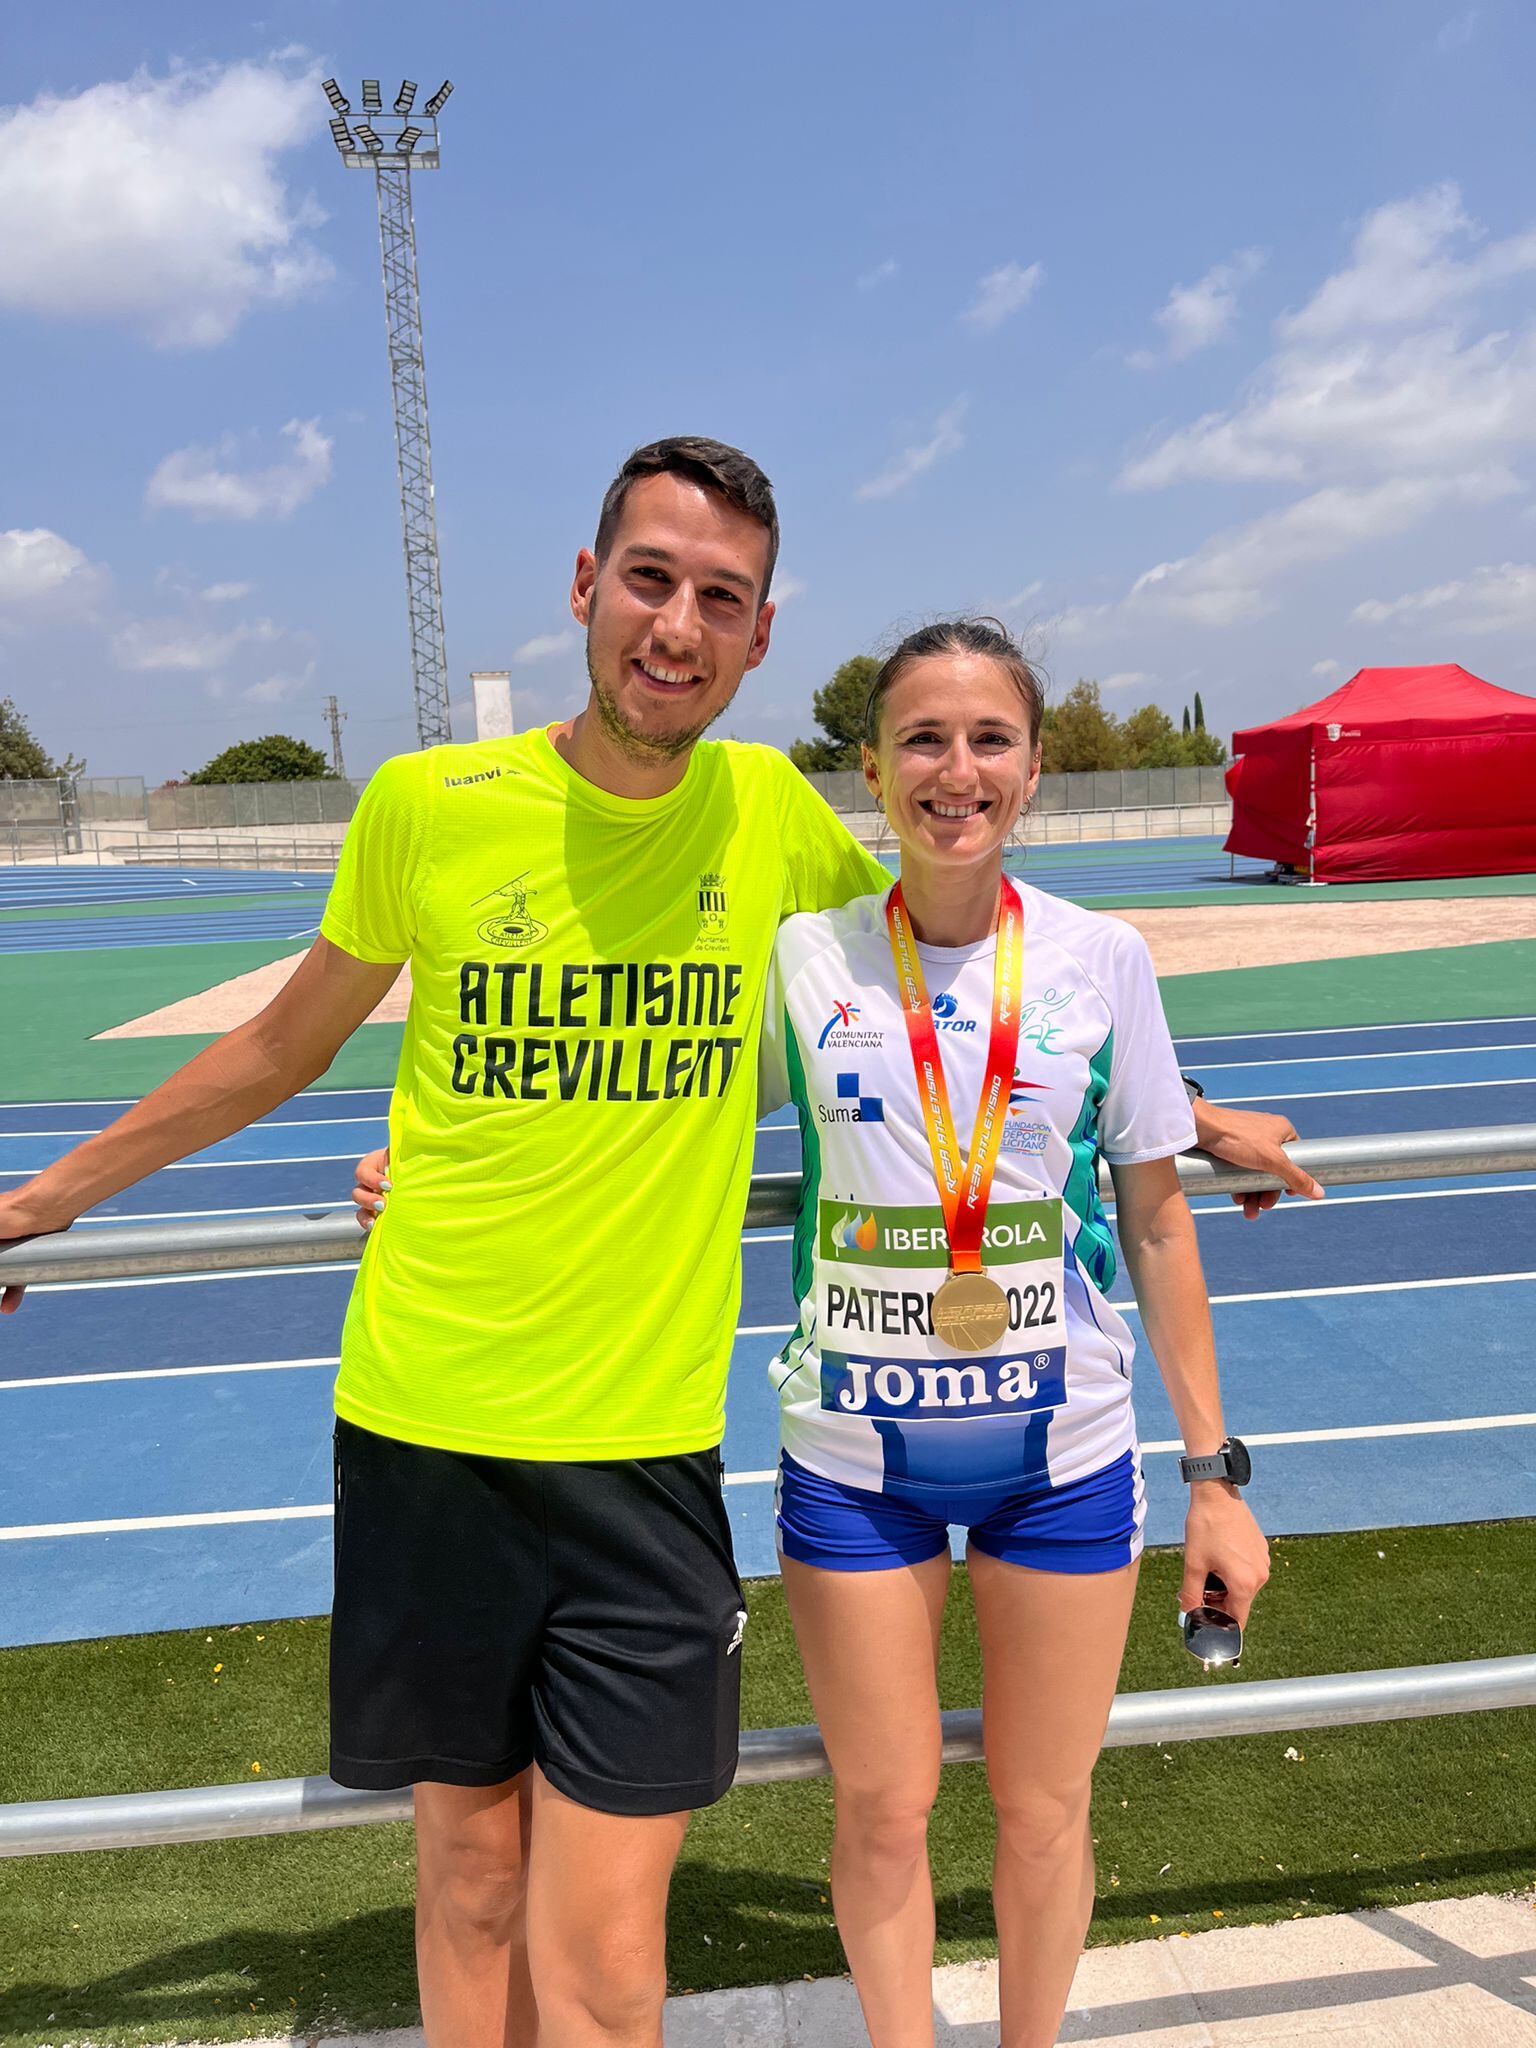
{"type": "Point", "coordinates": [867, 1394]}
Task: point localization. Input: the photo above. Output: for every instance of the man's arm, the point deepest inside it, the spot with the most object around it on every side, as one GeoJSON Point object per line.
{"type": "Point", "coordinates": [229, 1085]}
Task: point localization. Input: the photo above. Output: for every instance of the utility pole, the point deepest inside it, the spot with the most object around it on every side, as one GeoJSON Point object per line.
{"type": "Point", "coordinates": [392, 146]}
{"type": "Point", "coordinates": [336, 719]}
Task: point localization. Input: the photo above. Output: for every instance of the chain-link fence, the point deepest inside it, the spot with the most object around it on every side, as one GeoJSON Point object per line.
{"type": "Point", "coordinates": [230, 805]}
{"type": "Point", "coordinates": [1117, 789]}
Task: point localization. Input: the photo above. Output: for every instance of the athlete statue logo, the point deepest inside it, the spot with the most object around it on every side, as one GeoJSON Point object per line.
{"type": "Point", "coordinates": [1035, 1023]}
{"type": "Point", "coordinates": [511, 925]}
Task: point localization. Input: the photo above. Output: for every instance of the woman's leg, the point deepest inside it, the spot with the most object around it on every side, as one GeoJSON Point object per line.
{"type": "Point", "coordinates": [869, 1642]}
{"type": "Point", "coordinates": [1051, 1647]}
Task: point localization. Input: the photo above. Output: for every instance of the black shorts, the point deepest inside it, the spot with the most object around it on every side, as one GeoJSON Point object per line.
{"type": "Point", "coordinates": [491, 1613]}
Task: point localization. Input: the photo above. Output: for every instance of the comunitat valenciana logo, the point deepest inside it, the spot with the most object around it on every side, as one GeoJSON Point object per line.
{"type": "Point", "coordinates": [842, 1029]}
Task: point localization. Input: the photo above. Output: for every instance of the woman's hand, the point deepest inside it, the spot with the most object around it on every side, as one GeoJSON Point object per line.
{"type": "Point", "coordinates": [372, 1187]}
{"type": "Point", "coordinates": [1221, 1536]}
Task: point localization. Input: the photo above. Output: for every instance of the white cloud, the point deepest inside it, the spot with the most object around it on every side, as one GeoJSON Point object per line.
{"type": "Point", "coordinates": [1001, 293]}
{"type": "Point", "coordinates": [1407, 266]}
{"type": "Point", "coordinates": [1197, 315]}
{"type": "Point", "coordinates": [787, 587]}
{"type": "Point", "coordinates": [1228, 581]}
{"type": "Point", "coordinates": [1457, 32]}
{"type": "Point", "coordinates": [224, 593]}
{"type": "Point", "coordinates": [1328, 670]}
{"type": "Point", "coordinates": [911, 463]}
{"type": "Point", "coordinates": [193, 480]}
{"type": "Point", "coordinates": [1498, 598]}
{"type": "Point", "coordinates": [543, 646]}
{"type": "Point", "coordinates": [1020, 598]}
{"type": "Point", "coordinates": [38, 567]}
{"type": "Point", "coordinates": [277, 689]}
{"type": "Point", "coordinates": [882, 273]}
{"type": "Point", "coordinates": [1128, 679]}
{"type": "Point", "coordinates": [158, 202]}
{"type": "Point", "coordinates": [152, 644]}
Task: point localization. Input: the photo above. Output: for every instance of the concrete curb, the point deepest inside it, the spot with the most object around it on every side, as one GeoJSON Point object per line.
{"type": "Point", "coordinates": [1452, 1973]}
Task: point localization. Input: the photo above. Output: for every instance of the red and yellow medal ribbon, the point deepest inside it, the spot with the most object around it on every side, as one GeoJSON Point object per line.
{"type": "Point", "coordinates": [964, 1185]}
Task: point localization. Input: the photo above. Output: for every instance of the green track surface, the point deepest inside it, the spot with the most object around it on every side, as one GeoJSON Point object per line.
{"type": "Point", "coordinates": [225, 1940]}
{"type": "Point", "coordinates": [205, 903]}
{"type": "Point", "coordinates": [1437, 986]}
{"type": "Point", "coordinates": [54, 1003]}
{"type": "Point", "coordinates": [1288, 898]}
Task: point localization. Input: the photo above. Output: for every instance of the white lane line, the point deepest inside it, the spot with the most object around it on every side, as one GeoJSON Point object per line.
{"type": "Point", "coordinates": [93, 1218]}
{"type": "Point", "coordinates": [133, 1525]}
{"type": "Point", "coordinates": [166, 1372]}
{"type": "Point", "coordinates": [1292, 1207]}
{"type": "Point", "coordinates": [213, 1165]}
{"type": "Point", "coordinates": [1281, 1436]}
{"type": "Point", "coordinates": [1328, 1059]}
{"type": "Point", "coordinates": [1348, 1030]}
{"type": "Point", "coordinates": [1128, 1308]}
{"type": "Point", "coordinates": [192, 1279]}
{"type": "Point", "coordinates": [127, 1101]}
{"type": "Point", "coordinates": [1402, 1088]}
{"type": "Point", "coordinates": [290, 1123]}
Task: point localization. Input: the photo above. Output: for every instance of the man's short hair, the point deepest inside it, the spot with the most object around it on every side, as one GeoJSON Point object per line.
{"type": "Point", "coordinates": [710, 464]}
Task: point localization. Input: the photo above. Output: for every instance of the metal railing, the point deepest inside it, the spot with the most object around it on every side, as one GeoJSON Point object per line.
{"type": "Point", "coordinates": [122, 1251]}
{"type": "Point", "coordinates": [774, 1756]}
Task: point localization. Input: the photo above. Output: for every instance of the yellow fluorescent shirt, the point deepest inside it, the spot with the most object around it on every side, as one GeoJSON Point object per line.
{"type": "Point", "coordinates": [558, 1271]}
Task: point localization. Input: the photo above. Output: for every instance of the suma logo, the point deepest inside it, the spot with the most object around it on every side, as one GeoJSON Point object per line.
{"type": "Point", "coordinates": [511, 924]}
{"type": "Point", "coordinates": [842, 1028]}
{"type": "Point", "coordinates": [852, 1105]}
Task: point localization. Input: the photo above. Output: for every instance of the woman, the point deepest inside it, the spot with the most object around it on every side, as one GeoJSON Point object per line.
{"type": "Point", "coordinates": [957, 1360]}
{"type": "Point", "coordinates": [921, 1391]}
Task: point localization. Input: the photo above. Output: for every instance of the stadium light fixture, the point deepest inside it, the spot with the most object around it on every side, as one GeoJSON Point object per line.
{"type": "Point", "coordinates": [394, 146]}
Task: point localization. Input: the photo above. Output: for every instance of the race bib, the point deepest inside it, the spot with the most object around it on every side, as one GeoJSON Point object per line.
{"type": "Point", "coordinates": [877, 1271]}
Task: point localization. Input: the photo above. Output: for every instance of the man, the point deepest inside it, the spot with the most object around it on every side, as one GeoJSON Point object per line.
{"type": "Point", "coordinates": [537, 1619]}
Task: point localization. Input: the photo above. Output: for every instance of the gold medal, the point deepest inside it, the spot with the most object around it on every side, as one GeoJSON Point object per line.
{"type": "Point", "coordinates": [970, 1313]}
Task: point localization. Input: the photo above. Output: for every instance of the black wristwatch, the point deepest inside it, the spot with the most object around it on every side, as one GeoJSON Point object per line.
{"type": "Point", "coordinates": [1230, 1462]}
{"type": "Point", "coordinates": [1192, 1088]}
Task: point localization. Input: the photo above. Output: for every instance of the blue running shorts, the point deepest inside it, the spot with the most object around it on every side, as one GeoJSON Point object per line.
{"type": "Point", "coordinates": [1092, 1524]}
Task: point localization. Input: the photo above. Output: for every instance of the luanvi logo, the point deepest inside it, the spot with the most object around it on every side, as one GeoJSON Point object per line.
{"type": "Point", "coordinates": [463, 781]}
{"type": "Point", "coordinates": [510, 925]}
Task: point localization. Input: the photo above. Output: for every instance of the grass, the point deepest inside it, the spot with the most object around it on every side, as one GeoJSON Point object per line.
{"type": "Point", "coordinates": [224, 1940]}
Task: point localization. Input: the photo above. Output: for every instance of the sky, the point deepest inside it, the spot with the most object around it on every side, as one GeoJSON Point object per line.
{"type": "Point", "coordinates": [1198, 341]}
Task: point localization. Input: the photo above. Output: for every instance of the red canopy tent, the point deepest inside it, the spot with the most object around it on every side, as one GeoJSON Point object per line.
{"type": "Point", "coordinates": [1402, 774]}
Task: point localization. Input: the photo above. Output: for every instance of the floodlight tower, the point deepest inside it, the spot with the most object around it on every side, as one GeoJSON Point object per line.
{"type": "Point", "coordinates": [392, 146]}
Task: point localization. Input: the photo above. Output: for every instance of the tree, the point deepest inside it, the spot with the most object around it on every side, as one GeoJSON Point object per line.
{"type": "Point", "coordinates": [1199, 714]}
{"type": "Point", "coordinates": [1186, 721]}
{"type": "Point", "coordinates": [1150, 739]}
{"type": "Point", "coordinates": [1203, 750]}
{"type": "Point", "coordinates": [1078, 733]}
{"type": "Point", "coordinates": [276, 758]}
{"type": "Point", "coordinates": [20, 754]}
{"type": "Point", "coordinates": [839, 710]}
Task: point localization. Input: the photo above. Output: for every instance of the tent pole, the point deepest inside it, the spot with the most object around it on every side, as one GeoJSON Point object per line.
{"type": "Point", "coordinates": [1312, 813]}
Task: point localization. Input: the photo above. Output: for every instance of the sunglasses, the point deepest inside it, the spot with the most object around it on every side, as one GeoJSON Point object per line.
{"type": "Point", "coordinates": [1209, 1632]}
